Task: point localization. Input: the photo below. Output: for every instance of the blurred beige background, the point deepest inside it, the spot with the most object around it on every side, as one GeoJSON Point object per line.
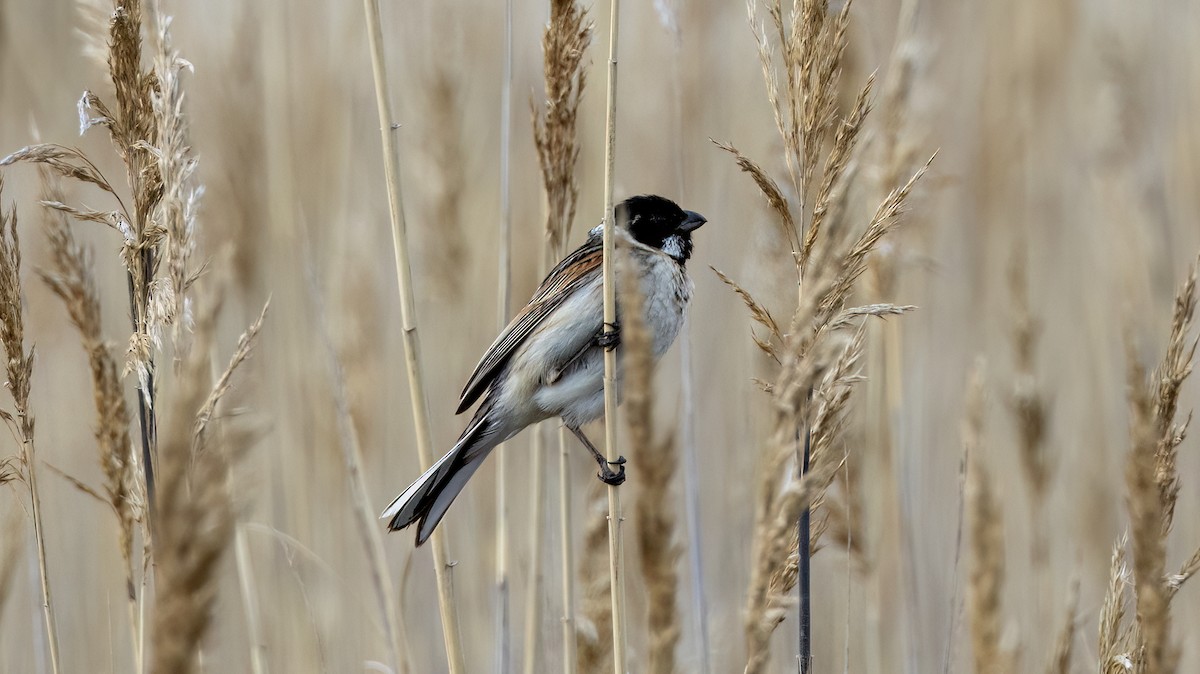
{"type": "Point", "coordinates": [1068, 125]}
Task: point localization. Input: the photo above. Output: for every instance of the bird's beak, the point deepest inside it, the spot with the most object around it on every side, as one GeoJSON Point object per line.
{"type": "Point", "coordinates": [692, 221]}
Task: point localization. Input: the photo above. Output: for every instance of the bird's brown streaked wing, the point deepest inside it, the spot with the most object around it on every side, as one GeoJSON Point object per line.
{"type": "Point", "coordinates": [573, 272]}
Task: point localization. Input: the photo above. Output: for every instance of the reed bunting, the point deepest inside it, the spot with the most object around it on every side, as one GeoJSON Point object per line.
{"type": "Point", "coordinates": [549, 361]}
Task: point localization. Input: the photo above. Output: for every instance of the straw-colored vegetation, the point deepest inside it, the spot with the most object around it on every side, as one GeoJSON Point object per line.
{"type": "Point", "coordinates": [990, 352]}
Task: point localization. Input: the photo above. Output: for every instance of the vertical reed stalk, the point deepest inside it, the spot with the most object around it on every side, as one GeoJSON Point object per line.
{"type": "Point", "coordinates": [687, 388]}
{"type": "Point", "coordinates": [564, 43]}
{"type": "Point", "coordinates": [245, 574]}
{"type": "Point", "coordinates": [566, 521]}
{"type": "Point", "coordinates": [503, 626]}
{"type": "Point", "coordinates": [616, 566]}
{"type": "Point", "coordinates": [28, 455]}
{"type": "Point", "coordinates": [352, 456]}
{"type": "Point", "coordinates": [391, 164]}
{"type": "Point", "coordinates": [533, 604]}
{"type": "Point", "coordinates": [69, 275]}
{"type": "Point", "coordinates": [691, 490]}
{"type": "Point", "coordinates": [19, 372]}
{"type": "Point", "coordinates": [241, 550]}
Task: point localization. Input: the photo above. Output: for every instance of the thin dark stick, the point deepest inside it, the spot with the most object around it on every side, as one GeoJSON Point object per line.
{"type": "Point", "coordinates": [146, 421]}
{"type": "Point", "coordinates": [804, 576]}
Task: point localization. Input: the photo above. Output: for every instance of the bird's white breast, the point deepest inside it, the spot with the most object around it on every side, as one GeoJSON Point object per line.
{"type": "Point", "coordinates": [666, 291]}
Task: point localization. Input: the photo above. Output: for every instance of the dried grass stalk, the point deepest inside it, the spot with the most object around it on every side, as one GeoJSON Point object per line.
{"type": "Point", "coordinates": [616, 553]}
{"type": "Point", "coordinates": [564, 45]}
{"type": "Point", "coordinates": [595, 612]}
{"type": "Point", "coordinates": [504, 302]}
{"type": "Point", "coordinates": [11, 527]}
{"type": "Point", "coordinates": [1169, 376]}
{"type": "Point", "coordinates": [369, 533]}
{"type": "Point", "coordinates": [986, 524]}
{"type": "Point", "coordinates": [759, 314]}
{"type": "Point", "coordinates": [811, 41]}
{"type": "Point", "coordinates": [986, 583]}
{"type": "Point", "coordinates": [816, 368]}
{"type": "Point", "coordinates": [445, 158]}
{"type": "Point", "coordinates": [412, 348]}
{"type": "Point", "coordinates": [224, 382]}
{"type": "Point", "coordinates": [133, 129]}
{"type": "Point", "coordinates": [148, 108]}
{"type": "Point", "coordinates": [1152, 487]}
{"type": "Point", "coordinates": [195, 517]}
{"type": "Point", "coordinates": [19, 372]}
{"type": "Point", "coordinates": [1147, 514]}
{"type": "Point", "coordinates": [1028, 405]}
{"type": "Point", "coordinates": [70, 277]}
{"type": "Point", "coordinates": [654, 516]}
{"type": "Point", "coordinates": [1189, 569]}
{"type": "Point", "coordinates": [174, 210]}
{"type": "Point", "coordinates": [1027, 402]}
{"type": "Point", "coordinates": [1114, 643]}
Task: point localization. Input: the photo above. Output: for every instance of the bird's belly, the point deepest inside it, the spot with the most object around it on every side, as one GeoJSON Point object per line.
{"type": "Point", "coordinates": [577, 394]}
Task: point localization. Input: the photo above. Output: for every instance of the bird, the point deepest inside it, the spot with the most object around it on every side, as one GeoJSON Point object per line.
{"type": "Point", "coordinates": [549, 361]}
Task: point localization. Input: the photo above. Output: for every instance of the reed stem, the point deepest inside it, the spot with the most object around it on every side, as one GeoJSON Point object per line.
{"type": "Point", "coordinates": [391, 164]}
{"type": "Point", "coordinates": [533, 603]}
{"type": "Point", "coordinates": [40, 539]}
{"type": "Point", "coordinates": [503, 626]}
{"type": "Point", "coordinates": [616, 566]}
{"type": "Point", "coordinates": [566, 522]}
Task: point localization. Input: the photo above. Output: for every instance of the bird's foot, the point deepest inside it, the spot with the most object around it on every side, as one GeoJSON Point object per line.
{"type": "Point", "coordinates": [612, 477]}
{"type": "Point", "coordinates": [609, 337]}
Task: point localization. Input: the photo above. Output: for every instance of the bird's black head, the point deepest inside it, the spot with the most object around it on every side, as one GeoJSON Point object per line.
{"type": "Point", "coordinates": [660, 223]}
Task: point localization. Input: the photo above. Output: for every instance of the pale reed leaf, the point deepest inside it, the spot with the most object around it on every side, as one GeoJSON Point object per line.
{"type": "Point", "coordinates": [67, 162]}
{"type": "Point", "coordinates": [757, 311]}
{"type": "Point", "coordinates": [770, 190]}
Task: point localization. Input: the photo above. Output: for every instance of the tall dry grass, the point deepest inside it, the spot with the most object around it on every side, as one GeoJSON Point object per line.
{"type": "Point", "coordinates": [192, 521]}
{"type": "Point", "coordinates": [817, 367]}
{"type": "Point", "coordinates": [565, 42]}
{"type": "Point", "coordinates": [1058, 219]}
{"type": "Point", "coordinates": [19, 374]}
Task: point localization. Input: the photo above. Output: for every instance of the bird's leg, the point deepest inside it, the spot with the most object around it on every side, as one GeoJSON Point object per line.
{"type": "Point", "coordinates": [607, 475]}
{"type": "Point", "coordinates": [559, 371]}
{"type": "Point", "coordinates": [610, 336]}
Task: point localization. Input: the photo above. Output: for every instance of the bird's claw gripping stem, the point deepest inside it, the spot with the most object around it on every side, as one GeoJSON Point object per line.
{"type": "Point", "coordinates": [609, 337]}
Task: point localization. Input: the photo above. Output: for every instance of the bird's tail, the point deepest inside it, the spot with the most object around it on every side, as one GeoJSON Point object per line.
{"type": "Point", "coordinates": [427, 499]}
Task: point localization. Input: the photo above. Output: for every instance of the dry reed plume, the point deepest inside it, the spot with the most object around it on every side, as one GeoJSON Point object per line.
{"type": "Point", "coordinates": [149, 131]}
{"type": "Point", "coordinates": [149, 134]}
{"type": "Point", "coordinates": [592, 644]}
{"type": "Point", "coordinates": [654, 516]}
{"type": "Point", "coordinates": [986, 525]}
{"type": "Point", "coordinates": [1152, 483]}
{"type": "Point", "coordinates": [194, 520]}
{"type": "Point", "coordinates": [616, 519]}
{"type": "Point", "coordinates": [19, 372]}
{"type": "Point", "coordinates": [372, 539]}
{"type": "Point", "coordinates": [817, 366]}
{"type": "Point", "coordinates": [564, 46]}
{"type": "Point", "coordinates": [71, 277]}
{"type": "Point", "coordinates": [565, 40]}
{"type": "Point", "coordinates": [1027, 402]}
{"type": "Point", "coordinates": [447, 605]}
